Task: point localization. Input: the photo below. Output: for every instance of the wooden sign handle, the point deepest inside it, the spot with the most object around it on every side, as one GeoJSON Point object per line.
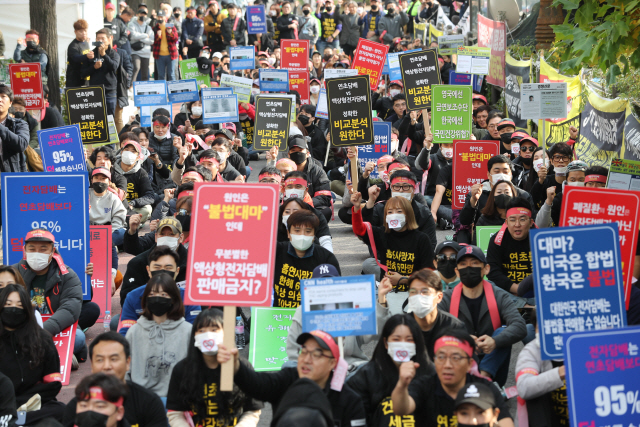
{"type": "Point", "coordinates": [354, 173]}
{"type": "Point", "coordinates": [226, 373]}
{"type": "Point", "coordinates": [426, 122]}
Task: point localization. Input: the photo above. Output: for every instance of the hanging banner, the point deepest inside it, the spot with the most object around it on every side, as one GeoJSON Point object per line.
{"type": "Point", "coordinates": [189, 70]}
{"type": "Point", "coordinates": [271, 123]}
{"type": "Point", "coordinates": [180, 91]}
{"type": "Point", "coordinates": [451, 113]}
{"type": "Point", "coordinates": [631, 136]}
{"type": "Point", "coordinates": [349, 101]}
{"type": "Point", "coordinates": [299, 81]}
{"type": "Point", "coordinates": [26, 82]}
{"type": "Point", "coordinates": [64, 345]}
{"type": "Point", "coordinates": [61, 149]}
{"type": "Point", "coordinates": [242, 58]}
{"type": "Point", "coordinates": [149, 93]}
{"type": "Point", "coordinates": [517, 73]}
{"type": "Point", "coordinates": [294, 55]}
{"type": "Point", "coordinates": [273, 80]}
{"type": "Point", "coordinates": [256, 19]}
{"type": "Point", "coordinates": [268, 344]}
{"type": "Point", "coordinates": [369, 58]}
{"type": "Point", "coordinates": [494, 35]}
{"type": "Point", "coordinates": [470, 159]}
{"type": "Point", "coordinates": [420, 72]}
{"type": "Point", "coordinates": [87, 107]}
{"type": "Point", "coordinates": [601, 130]}
{"type": "Point", "coordinates": [100, 255]}
{"type": "Point", "coordinates": [381, 147]}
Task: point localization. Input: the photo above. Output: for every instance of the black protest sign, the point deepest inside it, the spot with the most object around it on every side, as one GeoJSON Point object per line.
{"type": "Point", "coordinates": [87, 107]}
{"type": "Point", "coordinates": [349, 102]}
{"type": "Point", "coordinates": [419, 71]}
{"type": "Point", "coordinates": [271, 123]}
{"type": "Point", "coordinates": [516, 75]}
{"type": "Point", "coordinates": [632, 138]}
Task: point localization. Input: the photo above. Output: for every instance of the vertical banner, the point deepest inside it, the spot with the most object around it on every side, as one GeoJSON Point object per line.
{"type": "Point", "coordinates": [61, 149]}
{"type": "Point", "coordinates": [58, 202]}
{"type": "Point", "coordinates": [269, 330]}
{"type": "Point", "coordinates": [219, 108]}
{"type": "Point", "coordinates": [470, 159]}
{"type": "Point", "coordinates": [494, 35]}
{"type": "Point", "coordinates": [87, 107]}
{"type": "Point", "coordinates": [631, 136]}
{"type": "Point", "coordinates": [516, 73]}
{"type": "Point", "coordinates": [242, 58]}
{"type": "Point", "coordinates": [420, 72]}
{"type": "Point", "coordinates": [349, 101]}
{"type": "Point", "coordinates": [64, 345]}
{"type": "Point", "coordinates": [271, 123]}
{"type": "Point", "coordinates": [578, 282]}
{"type": "Point", "coordinates": [451, 113]}
{"type": "Point", "coordinates": [586, 206]}
{"type": "Point", "coordinates": [256, 19]}
{"type": "Point", "coordinates": [294, 55]}
{"type": "Point", "coordinates": [299, 81]}
{"type": "Point", "coordinates": [152, 92]}
{"type": "Point", "coordinates": [189, 70]}
{"type": "Point", "coordinates": [239, 270]}
{"type": "Point", "coordinates": [26, 82]}
{"type": "Point", "coordinates": [273, 80]}
{"type": "Point", "coordinates": [381, 147]}
{"type": "Point", "coordinates": [369, 59]}
{"type": "Point", "coordinates": [180, 91]}
{"type": "Point", "coordinates": [100, 255]}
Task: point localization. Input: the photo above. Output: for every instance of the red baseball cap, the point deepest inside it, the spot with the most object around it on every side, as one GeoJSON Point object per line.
{"type": "Point", "coordinates": [396, 82]}
{"type": "Point", "coordinates": [103, 171]}
{"type": "Point", "coordinates": [136, 145]}
{"type": "Point", "coordinates": [478, 97]}
{"type": "Point", "coordinates": [109, 6]}
{"type": "Point", "coordinates": [39, 236]}
{"type": "Point", "coordinates": [323, 339]}
{"type": "Point", "coordinates": [229, 126]}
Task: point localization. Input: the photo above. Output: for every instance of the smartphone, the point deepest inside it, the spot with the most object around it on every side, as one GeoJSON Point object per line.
{"type": "Point", "coordinates": [169, 25]}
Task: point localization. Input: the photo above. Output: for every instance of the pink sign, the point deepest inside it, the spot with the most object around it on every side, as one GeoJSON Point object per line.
{"type": "Point", "coordinates": [494, 35]}
{"type": "Point", "coordinates": [100, 256]}
{"type": "Point", "coordinates": [64, 344]}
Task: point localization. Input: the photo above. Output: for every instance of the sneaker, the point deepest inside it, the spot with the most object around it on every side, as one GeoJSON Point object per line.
{"type": "Point", "coordinates": [74, 363]}
{"type": "Point", "coordinates": [444, 224]}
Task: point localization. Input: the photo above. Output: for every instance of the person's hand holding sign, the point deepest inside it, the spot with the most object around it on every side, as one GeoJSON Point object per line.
{"type": "Point", "coordinates": [476, 192]}
{"type": "Point", "coordinates": [188, 128]}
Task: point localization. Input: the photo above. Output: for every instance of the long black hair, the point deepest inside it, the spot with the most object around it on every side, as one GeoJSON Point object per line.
{"type": "Point", "coordinates": [28, 336]}
{"type": "Point", "coordinates": [190, 390]}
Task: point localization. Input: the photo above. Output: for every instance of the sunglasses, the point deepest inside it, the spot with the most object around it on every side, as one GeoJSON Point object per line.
{"type": "Point", "coordinates": [525, 149]}
{"type": "Point", "coordinates": [442, 258]}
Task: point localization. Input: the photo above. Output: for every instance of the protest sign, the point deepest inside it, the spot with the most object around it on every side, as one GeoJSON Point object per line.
{"type": "Point", "coordinates": [349, 101]}
{"type": "Point", "coordinates": [601, 128]}
{"type": "Point", "coordinates": [152, 92]}
{"type": "Point", "coordinates": [578, 282]}
{"type": "Point", "coordinates": [299, 81]}
{"type": "Point", "coordinates": [58, 202]}
{"type": "Point", "coordinates": [448, 45]}
{"type": "Point", "coordinates": [602, 370]}
{"type": "Point", "coordinates": [470, 159]}
{"type": "Point", "coordinates": [147, 111]}
{"type": "Point", "coordinates": [242, 58]}
{"type": "Point", "coordinates": [494, 35]}
{"type": "Point", "coordinates": [183, 91]}
{"type": "Point", "coordinates": [189, 70]}
{"type": "Point", "coordinates": [26, 82]}
{"type": "Point", "coordinates": [334, 73]}
{"type": "Point", "coordinates": [282, 95]}
{"type": "Point", "coordinates": [340, 306]}
{"type": "Point", "coordinates": [578, 208]}
{"type": "Point", "coordinates": [219, 108]}
{"type": "Point", "coordinates": [64, 345]}
{"type": "Point", "coordinates": [272, 80]}
{"type": "Point", "coordinates": [393, 62]}
{"type": "Point", "coordinates": [240, 85]}
{"type": "Point", "coordinates": [624, 175]}
{"type": "Point", "coordinates": [543, 100]}
{"type": "Point", "coordinates": [369, 58]}
{"type": "Point", "coordinates": [322, 109]}
{"type": "Point", "coordinates": [243, 220]}
{"type": "Point", "coordinates": [269, 330]}
{"type": "Point", "coordinates": [420, 71]}
{"type": "Point", "coordinates": [451, 114]}
{"type": "Point", "coordinates": [272, 123]}
{"type": "Point", "coordinates": [484, 235]}
{"type": "Point", "coordinates": [113, 131]}
{"type": "Point", "coordinates": [465, 79]}
{"type": "Point", "coordinates": [381, 146]}
{"type": "Point", "coordinates": [86, 106]}
{"type": "Point", "coordinates": [100, 255]}
{"type": "Point", "coordinates": [473, 60]}
{"type": "Point", "coordinates": [61, 149]}
{"type": "Point", "coordinates": [294, 55]}
{"type": "Point", "coordinates": [517, 73]}
{"type": "Point", "coordinates": [256, 19]}
{"type": "Point", "coordinates": [631, 137]}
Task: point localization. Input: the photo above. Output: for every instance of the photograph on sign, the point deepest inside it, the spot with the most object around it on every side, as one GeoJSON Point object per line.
{"type": "Point", "coordinates": [369, 59]}
{"type": "Point", "coordinates": [242, 58]}
{"type": "Point", "coordinates": [294, 55]}
{"type": "Point", "coordinates": [240, 85]}
{"type": "Point", "coordinates": [473, 60]}
{"type": "Point", "coordinates": [349, 101]}
{"type": "Point", "coordinates": [61, 149]}
{"type": "Point", "coordinates": [183, 91]}
{"type": "Point", "coordinates": [299, 81]}
{"type": "Point", "coordinates": [149, 93]}
{"type": "Point", "coordinates": [272, 80]}
{"type": "Point", "coordinates": [256, 19]}
{"type": "Point", "coordinates": [26, 82]}
{"type": "Point", "coordinates": [448, 45]}
{"type": "Point", "coordinates": [624, 175]}
{"type": "Point", "coordinates": [470, 160]}
{"type": "Point", "coordinates": [269, 331]}
{"type": "Point", "coordinates": [219, 108]}
{"type": "Point", "coordinates": [451, 113]}
{"type": "Point", "coordinates": [543, 100]}
{"type": "Point", "coordinates": [271, 123]}
{"type": "Point", "coordinates": [87, 107]}
{"type": "Point", "coordinates": [147, 111]}
{"type": "Point", "coordinates": [420, 73]}
{"type": "Point", "coordinates": [381, 147]}
{"type": "Point", "coordinates": [100, 256]}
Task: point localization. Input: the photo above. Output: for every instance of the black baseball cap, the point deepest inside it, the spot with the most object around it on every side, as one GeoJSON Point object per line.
{"type": "Point", "coordinates": [472, 251]}
{"type": "Point", "coordinates": [447, 244]}
{"type": "Point", "coordinates": [298, 141]}
{"type": "Point", "coordinates": [478, 394]}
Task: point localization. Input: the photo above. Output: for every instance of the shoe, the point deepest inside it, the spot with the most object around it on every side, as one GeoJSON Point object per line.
{"type": "Point", "coordinates": [74, 363]}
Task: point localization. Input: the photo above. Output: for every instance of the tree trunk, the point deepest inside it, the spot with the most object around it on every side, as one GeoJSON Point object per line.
{"type": "Point", "coordinates": [44, 19]}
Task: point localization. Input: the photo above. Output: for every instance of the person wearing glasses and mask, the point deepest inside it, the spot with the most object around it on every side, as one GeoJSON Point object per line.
{"type": "Point", "coordinates": [560, 155]}
{"type": "Point", "coordinates": [445, 262]}
{"type": "Point", "coordinates": [524, 160]}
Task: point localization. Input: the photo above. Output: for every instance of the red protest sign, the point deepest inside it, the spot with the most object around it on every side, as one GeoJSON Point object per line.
{"type": "Point", "coordinates": [64, 344]}
{"type": "Point", "coordinates": [294, 55]}
{"type": "Point", "coordinates": [26, 82]}
{"type": "Point", "coordinates": [369, 58]}
{"type": "Point", "coordinates": [100, 256]}
{"type": "Point", "coordinates": [493, 34]}
{"type": "Point", "coordinates": [299, 81]}
{"type": "Point", "coordinates": [588, 206]}
{"type": "Point", "coordinates": [470, 160]}
{"type": "Point", "coordinates": [233, 242]}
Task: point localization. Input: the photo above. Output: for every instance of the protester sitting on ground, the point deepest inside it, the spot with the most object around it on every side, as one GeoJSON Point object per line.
{"type": "Point", "coordinates": [200, 370]}
{"type": "Point", "coordinates": [296, 185]}
{"type": "Point", "coordinates": [140, 196]}
{"type": "Point", "coordinates": [495, 208]}
{"type": "Point", "coordinates": [28, 356]}
{"type": "Point", "coordinates": [294, 204]}
{"type": "Point", "coordinates": [209, 159]}
{"type": "Point", "coordinates": [166, 208]}
{"type": "Point", "coordinates": [431, 164]}
{"type": "Point", "coordinates": [476, 405]}
{"type": "Point", "coordinates": [103, 157]}
{"type": "Point", "coordinates": [549, 214]}
{"type": "Point", "coordinates": [110, 353]}
{"type": "Point", "coordinates": [441, 205]}
{"type": "Point", "coordinates": [151, 163]}
{"type": "Point", "coordinates": [385, 187]}
{"type": "Point", "coordinates": [10, 276]}
{"type": "Point", "coordinates": [100, 397]}
{"type": "Point", "coordinates": [163, 141]}
{"type": "Point", "coordinates": [8, 405]}
{"type": "Point", "coordinates": [445, 261]}
{"type": "Point", "coordinates": [560, 155]}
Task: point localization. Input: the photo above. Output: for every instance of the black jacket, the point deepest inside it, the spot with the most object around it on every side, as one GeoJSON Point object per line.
{"type": "Point", "coordinates": [282, 24]}
{"type": "Point", "coordinates": [139, 190]}
{"type": "Point", "coordinates": [470, 215]}
{"type": "Point", "coordinates": [120, 32]}
{"type": "Point", "coordinates": [165, 149]}
{"type": "Point", "coordinates": [52, 118]}
{"type": "Point", "coordinates": [382, 104]}
{"type": "Point", "coordinates": [106, 75]}
{"type": "Point", "coordinates": [15, 136]}
{"type": "Point", "coordinates": [124, 74]}
{"type": "Point", "coordinates": [237, 167]}
{"type": "Point", "coordinates": [8, 405]}
{"type": "Point", "coordinates": [318, 181]}
{"type": "Point", "coordinates": [163, 174]}
{"type": "Point", "coordinates": [228, 33]}
{"type": "Point", "coordinates": [438, 161]}
{"type": "Point", "coordinates": [266, 41]}
{"type": "Point", "coordinates": [76, 56]}
{"type": "Point", "coordinates": [520, 174]}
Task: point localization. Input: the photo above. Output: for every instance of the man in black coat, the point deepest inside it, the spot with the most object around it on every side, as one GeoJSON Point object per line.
{"type": "Point", "coordinates": [102, 67]}
{"type": "Point", "coordinates": [124, 73]}
{"type": "Point", "coordinates": [77, 54]}
{"type": "Point", "coordinates": [14, 134]}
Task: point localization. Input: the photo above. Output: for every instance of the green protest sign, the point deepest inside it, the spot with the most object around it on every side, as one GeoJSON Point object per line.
{"type": "Point", "coordinates": [450, 113]}
{"type": "Point", "coordinates": [484, 235]}
{"type": "Point", "coordinates": [189, 70]}
{"type": "Point", "coordinates": [624, 175]}
{"type": "Point", "coordinates": [269, 329]}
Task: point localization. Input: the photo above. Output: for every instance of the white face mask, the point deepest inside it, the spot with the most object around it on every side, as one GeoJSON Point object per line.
{"type": "Point", "coordinates": [537, 164]}
{"type": "Point", "coordinates": [285, 218]}
{"type": "Point", "coordinates": [314, 89]}
{"type": "Point", "coordinates": [196, 111]}
{"type": "Point", "coordinates": [301, 242]}
{"type": "Point", "coordinates": [129, 158]}
{"type": "Point", "coordinates": [223, 156]}
{"type": "Point", "coordinates": [382, 85]}
{"type": "Point", "coordinates": [255, 91]}
{"type": "Point", "coordinates": [172, 242]}
{"type": "Point", "coordinates": [272, 12]}
{"type": "Point", "coordinates": [271, 61]}
{"type": "Point", "coordinates": [394, 92]}
{"type": "Point", "coordinates": [574, 184]}
{"type": "Point", "coordinates": [38, 261]}
{"type": "Point", "coordinates": [500, 177]}
{"type": "Point", "coordinates": [384, 175]}
{"type": "Point", "coordinates": [294, 192]}
{"type": "Point", "coordinates": [207, 342]}
{"type": "Point", "coordinates": [560, 171]}
{"type": "Point", "coordinates": [398, 194]}
{"type": "Point", "coordinates": [421, 305]}
{"type": "Point", "coordinates": [447, 152]}
{"type": "Point", "coordinates": [360, 10]}
{"type": "Point", "coordinates": [396, 221]}
{"type": "Point", "coordinates": [401, 351]}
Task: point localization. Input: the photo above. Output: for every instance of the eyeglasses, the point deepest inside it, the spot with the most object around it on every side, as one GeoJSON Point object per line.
{"type": "Point", "coordinates": [491, 126]}
{"type": "Point", "coordinates": [315, 354]}
{"type": "Point", "coordinates": [400, 105]}
{"type": "Point", "coordinates": [269, 181]}
{"type": "Point", "coordinates": [520, 220]}
{"type": "Point", "coordinates": [525, 149]}
{"type": "Point", "coordinates": [456, 359]}
{"type": "Point", "coordinates": [442, 258]}
{"type": "Point", "coordinates": [403, 187]}
{"type": "Point", "coordinates": [424, 292]}
{"type": "Point", "coordinates": [561, 158]}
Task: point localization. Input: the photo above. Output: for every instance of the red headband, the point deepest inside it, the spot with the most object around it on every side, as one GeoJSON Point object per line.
{"type": "Point", "coordinates": [519, 211]}
{"type": "Point", "coordinates": [40, 233]}
{"type": "Point", "coordinates": [393, 166]}
{"type": "Point", "coordinates": [295, 180]}
{"type": "Point", "coordinates": [453, 342]}
{"type": "Point", "coordinates": [195, 175]}
{"type": "Point", "coordinates": [98, 394]}
{"type": "Point", "coordinates": [210, 138]}
{"type": "Point", "coordinates": [277, 177]}
{"type": "Point", "coordinates": [185, 193]}
{"type": "Point", "coordinates": [595, 178]}
{"type": "Point", "coordinates": [209, 159]}
{"type": "Point", "coordinates": [403, 179]}
{"type": "Point", "coordinates": [385, 159]}
{"type": "Point", "coordinates": [160, 124]}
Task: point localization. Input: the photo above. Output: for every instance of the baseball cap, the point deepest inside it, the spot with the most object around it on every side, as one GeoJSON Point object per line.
{"type": "Point", "coordinates": [478, 97]}
{"type": "Point", "coordinates": [325, 270]}
{"type": "Point", "coordinates": [519, 135]}
{"type": "Point", "coordinates": [478, 394]}
{"type": "Point", "coordinates": [473, 251]}
{"type": "Point", "coordinates": [262, 52]}
{"type": "Point", "coordinates": [505, 122]}
{"type": "Point", "coordinates": [298, 141]}
{"type": "Point", "coordinates": [530, 139]}
{"type": "Point", "coordinates": [109, 6]}
{"type": "Point", "coordinates": [122, 3]}
{"type": "Point", "coordinates": [447, 244]}
{"type": "Point", "coordinates": [226, 132]}
{"type": "Point", "coordinates": [229, 126]}
{"type": "Point", "coordinates": [170, 222]}
{"type": "Point", "coordinates": [103, 171]}
{"type": "Point", "coordinates": [217, 55]}
{"type": "Point", "coordinates": [137, 146]}
{"type": "Point", "coordinates": [396, 82]}
{"type": "Point", "coordinates": [160, 13]}
{"type": "Point", "coordinates": [323, 339]}
{"type": "Point", "coordinates": [39, 236]}
{"type": "Point", "coordinates": [143, 11]}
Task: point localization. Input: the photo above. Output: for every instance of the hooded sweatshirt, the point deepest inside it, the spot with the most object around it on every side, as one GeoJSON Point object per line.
{"type": "Point", "coordinates": [139, 190]}
{"type": "Point", "coordinates": [155, 351]}
{"type": "Point", "coordinates": [106, 209]}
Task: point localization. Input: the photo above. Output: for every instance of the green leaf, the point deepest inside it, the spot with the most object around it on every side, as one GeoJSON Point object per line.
{"type": "Point", "coordinates": [605, 26]}
{"type": "Point", "coordinates": [620, 29]}
{"type": "Point", "coordinates": [566, 4]}
{"type": "Point", "coordinates": [585, 44]}
{"type": "Point", "coordinates": [625, 61]}
{"type": "Point", "coordinates": [631, 5]}
{"type": "Point", "coordinates": [584, 15]}
{"type": "Point", "coordinates": [612, 73]}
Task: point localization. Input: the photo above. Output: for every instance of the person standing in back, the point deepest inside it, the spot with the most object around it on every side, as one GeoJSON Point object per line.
{"type": "Point", "coordinates": [165, 50]}
{"type": "Point", "coordinates": [77, 53]}
{"type": "Point", "coordinates": [102, 70]}
{"type": "Point", "coordinates": [192, 29]}
{"type": "Point", "coordinates": [141, 41]}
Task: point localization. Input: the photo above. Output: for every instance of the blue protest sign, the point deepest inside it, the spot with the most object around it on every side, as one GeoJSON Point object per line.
{"type": "Point", "coordinates": [61, 149]}
{"type": "Point", "coordinates": [465, 80]}
{"type": "Point", "coordinates": [394, 64]}
{"type": "Point", "coordinates": [341, 306]}
{"type": "Point", "coordinates": [256, 19]}
{"type": "Point", "coordinates": [147, 111]}
{"type": "Point", "coordinates": [219, 108]}
{"type": "Point", "coordinates": [183, 91]}
{"type": "Point", "coordinates": [58, 202]}
{"type": "Point", "coordinates": [578, 282]}
{"type": "Point", "coordinates": [149, 93]}
{"type": "Point", "coordinates": [242, 58]}
{"type": "Point", "coordinates": [272, 80]}
{"type": "Point", "coordinates": [322, 109]}
{"type": "Point", "coordinates": [381, 146]}
{"type": "Point", "coordinates": [602, 371]}
{"type": "Point", "coordinates": [385, 69]}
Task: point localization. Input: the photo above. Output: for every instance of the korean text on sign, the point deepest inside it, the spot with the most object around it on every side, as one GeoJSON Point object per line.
{"type": "Point", "coordinates": [294, 55]}
{"type": "Point", "coordinates": [470, 159]}
{"type": "Point", "coordinates": [381, 146]}
{"type": "Point", "coordinates": [26, 82]}
{"type": "Point", "coordinates": [369, 59]}
{"type": "Point", "coordinates": [64, 346]}
{"type": "Point", "coordinates": [87, 107]}
{"type": "Point", "coordinates": [349, 101]}
{"type": "Point", "coordinates": [451, 113]}
{"type": "Point", "coordinates": [420, 72]}
{"type": "Point", "coordinates": [268, 344]}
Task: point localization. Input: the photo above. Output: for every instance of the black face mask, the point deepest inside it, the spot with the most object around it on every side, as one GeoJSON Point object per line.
{"type": "Point", "coordinates": [506, 137]}
{"type": "Point", "coordinates": [158, 306]}
{"type": "Point", "coordinates": [100, 187]}
{"type": "Point", "coordinates": [31, 45]}
{"type": "Point", "coordinates": [374, 7]}
{"type": "Point", "coordinates": [185, 221]}
{"type": "Point", "coordinates": [447, 268]}
{"type": "Point", "coordinates": [502, 200]}
{"type": "Point", "coordinates": [169, 272]}
{"type": "Point", "coordinates": [306, 12]}
{"type": "Point", "coordinates": [390, 11]}
{"type": "Point", "coordinates": [328, 9]}
{"type": "Point", "coordinates": [470, 276]}
{"type": "Point", "coordinates": [298, 158]}
{"type": "Point", "coordinates": [527, 160]}
{"type": "Point", "coordinates": [177, 15]}
{"type": "Point", "coordinates": [13, 316]}
{"type": "Point", "coordinates": [91, 419]}
{"type": "Point", "coordinates": [18, 115]}
{"type": "Point", "coordinates": [304, 120]}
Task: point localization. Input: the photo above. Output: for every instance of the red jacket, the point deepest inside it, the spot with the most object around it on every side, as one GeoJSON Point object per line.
{"type": "Point", "coordinates": [172, 39]}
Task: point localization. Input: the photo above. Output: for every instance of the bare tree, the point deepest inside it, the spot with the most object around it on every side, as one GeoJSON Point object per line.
{"type": "Point", "coordinates": [44, 19]}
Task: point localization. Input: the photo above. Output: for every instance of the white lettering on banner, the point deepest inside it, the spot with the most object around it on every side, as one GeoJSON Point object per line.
{"type": "Point", "coordinates": [605, 130]}
{"type": "Point", "coordinates": [579, 324]}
